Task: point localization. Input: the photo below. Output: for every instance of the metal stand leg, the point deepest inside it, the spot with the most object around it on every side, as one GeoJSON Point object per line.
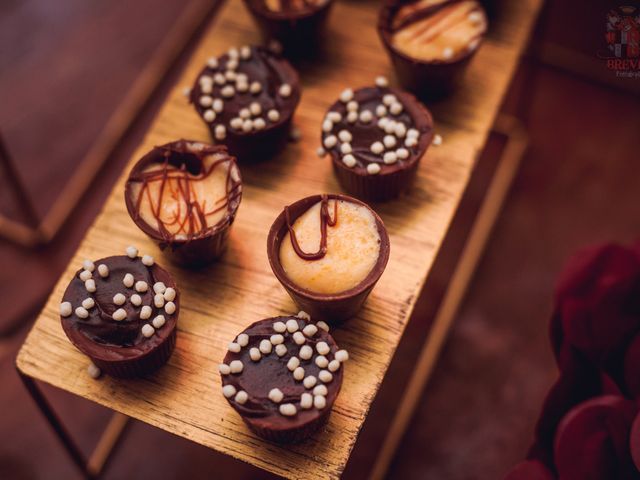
{"type": "Point", "coordinates": [107, 444]}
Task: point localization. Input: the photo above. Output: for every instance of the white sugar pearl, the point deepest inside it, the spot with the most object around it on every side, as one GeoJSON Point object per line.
{"type": "Point", "coordinates": [298, 373]}
{"type": "Point", "coordinates": [233, 52]}
{"type": "Point", "coordinates": [293, 363]}
{"type": "Point", "coordinates": [279, 327]}
{"type": "Point", "coordinates": [309, 381]}
{"type": "Point", "coordinates": [255, 87]}
{"type": "Point", "coordinates": [304, 315]}
{"type": "Point", "coordinates": [325, 376]}
{"type": "Point", "coordinates": [366, 116]}
{"type": "Point", "coordinates": [333, 366]}
{"type": "Point", "coordinates": [132, 252]}
{"type": "Point", "coordinates": [322, 348]}
{"type": "Point", "coordinates": [437, 140]}
{"type": "Point", "coordinates": [90, 285]}
{"type": "Point", "coordinates": [220, 132]}
{"type": "Point", "coordinates": [170, 294]}
{"type": "Point", "coordinates": [273, 115]}
{"type": "Point", "coordinates": [310, 330]}
{"type": "Point", "coordinates": [232, 64]}
{"type": "Point", "coordinates": [306, 352]}
{"type": "Point", "coordinates": [236, 366]}
{"type": "Point", "coordinates": [389, 99]}
{"type": "Point", "coordinates": [219, 78]}
{"type": "Point", "coordinates": [247, 126]}
{"type": "Point", "coordinates": [119, 299]}
{"type": "Point", "coordinates": [402, 153]}
{"type": "Point", "coordinates": [390, 127]}
{"type": "Point", "coordinates": [227, 91]}
{"type": "Point", "coordinates": [352, 106]}
{"type": "Point", "coordinates": [228, 391]}
{"type": "Point", "coordinates": [88, 303]}
{"type": "Point", "coordinates": [88, 265]}
{"type": "Point", "coordinates": [299, 338]}
{"type": "Point", "coordinates": [158, 321]}
{"type": "Point", "coordinates": [373, 168]}
{"type": "Point", "coordinates": [119, 315]}
{"type": "Point", "coordinates": [170, 308]}
{"type": "Point", "coordinates": [241, 397]}
{"type": "Point", "coordinates": [292, 325]}
{"type": "Point", "coordinates": [345, 148]}
{"type": "Point", "coordinates": [206, 88]}
{"type": "Point", "coordinates": [136, 300]}
{"type": "Point", "coordinates": [381, 110]}
{"type": "Point", "coordinates": [234, 347]}
{"type": "Point", "coordinates": [335, 117]}
{"type": "Point", "coordinates": [383, 122]}
{"type": "Point", "coordinates": [82, 312]}
{"type": "Point", "coordinates": [413, 133]}
{"type": "Point", "coordinates": [322, 325]}
{"type": "Point", "coordinates": [330, 141]}
{"type": "Point", "coordinates": [158, 300]}
{"type": "Point", "coordinates": [346, 95]}
{"type": "Point", "coordinates": [145, 312]}
{"type": "Point", "coordinates": [410, 142]}
{"type": "Point", "coordinates": [352, 117]}
{"type": "Point", "coordinates": [141, 286]}
{"type": "Point", "coordinates": [447, 53]}
{"type": "Point", "coordinates": [218, 105]}
{"type": "Point", "coordinates": [285, 90]}
{"type": "Point", "coordinates": [265, 346]}
{"type": "Point", "coordinates": [245, 52]}
{"type": "Point", "coordinates": [377, 148]}
{"type": "Point", "coordinates": [390, 158]}
{"type": "Point", "coordinates": [230, 75]}
{"type": "Point", "coordinates": [276, 395]}
{"type": "Point", "coordinates": [327, 126]}
{"type": "Point", "coordinates": [147, 330]}
{"type": "Point", "coordinates": [281, 350]}
{"type": "Point", "coordinates": [382, 82]}
{"type": "Point", "coordinates": [400, 130]}
{"type": "Point", "coordinates": [319, 401]}
{"type": "Point", "coordinates": [341, 356]}
{"type": "Point", "coordinates": [85, 275]}
{"type": "Point", "coordinates": [159, 287]}
{"type": "Point", "coordinates": [205, 80]}
{"type": "Point", "coordinates": [209, 116]}
{"type": "Point", "coordinates": [396, 108]}
{"type": "Point", "coordinates": [205, 101]}
{"type": "Point", "coordinates": [322, 361]}
{"type": "Point", "coordinates": [349, 160]}
{"type": "Point", "coordinates": [255, 354]}
{"type": "Point", "coordinates": [186, 91]}
{"type": "Point", "coordinates": [255, 108]}
{"type": "Point", "coordinates": [244, 113]}
{"type": "Point", "coordinates": [321, 152]}
{"type": "Point", "coordinates": [93, 371]}
{"type": "Point", "coordinates": [212, 62]}
{"type": "Point", "coordinates": [321, 390]}
{"type": "Point", "coordinates": [276, 339]}
{"type": "Point", "coordinates": [306, 401]}
{"type": "Point", "coordinates": [128, 280]}
{"type": "Point", "coordinates": [288, 409]}
{"type": "Point", "coordinates": [103, 270]}
{"type": "Point", "coordinates": [243, 340]}
{"type": "Point", "coordinates": [66, 309]}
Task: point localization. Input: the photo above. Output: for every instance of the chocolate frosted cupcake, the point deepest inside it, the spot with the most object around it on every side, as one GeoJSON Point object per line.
{"type": "Point", "coordinates": [247, 98]}
{"type": "Point", "coordinates": [121, 312]}
{"type": "Point", "coordinates": [295, 24]}
{"type": "Point", "coordinates": [185, 195]}
{"type": "Point", "coordinates": [376, 137]}
{"type": "Point", "coordinates": [430, 42]}
{"type": "Point", "coordinates": [328, 251]}
{"type": "Point", "coordinates": [282, 375]}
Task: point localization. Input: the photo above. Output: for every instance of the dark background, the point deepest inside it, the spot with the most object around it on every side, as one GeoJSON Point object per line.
{"type": "Point", "coordinates": [64, 65]}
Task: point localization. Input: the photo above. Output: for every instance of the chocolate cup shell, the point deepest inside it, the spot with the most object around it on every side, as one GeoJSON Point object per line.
{"type": "Point", "coordinates": [195, 252]}
{"type": "Point", "coordinates": [428, 80]}
{"type": "Point", "coordinates": [131, 362]}
{"type": "Point", "coordinates": [335, 307]}
{"type": "Point", "coordinates": [298, 34]}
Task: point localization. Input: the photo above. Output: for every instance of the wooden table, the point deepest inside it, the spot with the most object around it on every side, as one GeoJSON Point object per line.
{"type": "Point", "coordinates": [184, 397]}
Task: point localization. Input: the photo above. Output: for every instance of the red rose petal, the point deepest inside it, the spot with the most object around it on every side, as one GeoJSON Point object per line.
{"type": "Point", "coordinates": [592, 440]}
{"type": "Point", "coordinates": [530, 470]}
{"type": "Point", "coordinates": [632, 368]}
{"type": "Point", "coordinates": [634, 442]}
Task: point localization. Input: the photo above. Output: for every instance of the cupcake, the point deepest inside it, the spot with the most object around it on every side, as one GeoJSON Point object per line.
{"type": "Point", "coordinates": [282, 375]}
{"type": "Point", "coordinates": [121, 312]}
{"type": "Point", "coordinates": [430, 42]}
{"type": "Point", "coordinates": [328, 251]}
{"type": "Point", "coordinates": [376, 137]}
{"type": "Point", "coordinates": [247, 98]}
{"type": "Point", "coordinates": [294, 24]}
{"type": "Point", "coordinates": [184, 195]}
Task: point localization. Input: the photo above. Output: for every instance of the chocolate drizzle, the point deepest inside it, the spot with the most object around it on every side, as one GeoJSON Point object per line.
{"type": "Point", "coordinates": [189, 168]}
{"type": "Point", "coordinates": [325, 220]}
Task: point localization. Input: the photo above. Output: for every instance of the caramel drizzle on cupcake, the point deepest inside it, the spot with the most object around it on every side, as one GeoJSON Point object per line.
{"type": "Point", "coordinates": [325, 221]}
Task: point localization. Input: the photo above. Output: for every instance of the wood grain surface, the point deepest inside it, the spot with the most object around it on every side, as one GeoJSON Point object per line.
{"type": "Point", "coordinates": [184, 397]}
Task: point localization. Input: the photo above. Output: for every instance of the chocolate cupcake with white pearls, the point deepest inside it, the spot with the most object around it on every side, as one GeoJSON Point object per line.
{"type": "Point", "coordinates": [376, 137]}
{"type": "Point", "coordinates": [122, 313]}
{"type": "Point", "coordinates": [247, 98]}
{"type": "Point", "coordinates": [282, 375]}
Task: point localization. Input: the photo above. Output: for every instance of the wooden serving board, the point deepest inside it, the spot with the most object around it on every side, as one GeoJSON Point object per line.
{"type": "Point", "coordinates": [184, 397]}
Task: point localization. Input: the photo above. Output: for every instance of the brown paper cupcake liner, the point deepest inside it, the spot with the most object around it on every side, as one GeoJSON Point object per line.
{"type": "Point", "coordinates": [293, 435]}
